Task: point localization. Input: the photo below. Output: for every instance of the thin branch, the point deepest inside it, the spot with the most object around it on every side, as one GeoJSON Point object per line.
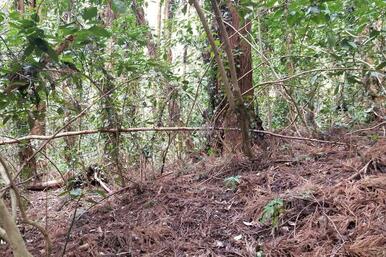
{"type": "Point", "coordinates": [226, 82]}
{"type": "Point", "coordinates": [43, 145]}
{"type": "Point", "coordinates": [197, 91]}
{"type": "Point", "coordinates": [157, 129]}
{"type": "Point", "coordinates": [300, 74]}
{"type": "Point", "coordinates": [70, 227]}
{"type": "Point", "coordinates": [366, 129]}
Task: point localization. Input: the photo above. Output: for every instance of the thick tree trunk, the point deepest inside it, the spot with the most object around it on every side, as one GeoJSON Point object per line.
{"type": "Point", "coordinates": [241, 115]}
{"type": "Point", "coordinates": [243, 59]}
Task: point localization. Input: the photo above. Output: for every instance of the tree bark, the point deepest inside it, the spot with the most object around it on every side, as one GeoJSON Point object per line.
{"type": "Point", "coordinates": [241, 111]}
{"type": "Point", "coordinates": [244, 69]}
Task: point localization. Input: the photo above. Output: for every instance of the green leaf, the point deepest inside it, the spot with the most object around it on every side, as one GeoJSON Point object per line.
{"type": "Point", "coordinates": [35, 17]}
{"type": "Point", "coordinates": [99, 31]}
{"type": "Point", "coordinates": [381, 66]}
{"type": "Point", "coordinates": [272, 211]}
{"type": "Point", "coordinates": [374, 33]}
{"type": "Point", "coordinates": [293, 18]}
{"type": "Point", "coordinates": [6, 119]}
{"type": "Point", "coordinates": [336, 90]}
{"type": "Point", "coordinates": [51, 52]}
{"type": "Point", "coordinates": [28, 51]}
{"type": "Point", "coordinates": [232, 182]}
{"type": "Point", "coordinates": [349, 44]}
{"type": "Point", "coordinates": [65, 192]}
{"type": "Point", "coordinates": [331, 39]}
{"type": "Point", "coordinates": [60, 110]}
{"type": "Point", "coordinates": [271, 3]}
{"type": "Point", "coordinates": [89, 13]}
{"type": "Point", "coordinates": [1, 17]}
{"type": "Point", "coordinates": [40, 44]}
{"type": "Point", "coordinates": [119, 6]}
{"type": "Point", "coordinates": [184, 9]}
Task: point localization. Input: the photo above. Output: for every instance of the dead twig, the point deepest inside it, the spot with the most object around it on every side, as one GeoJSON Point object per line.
{"type": "Point", "coordinates": [366, 129]}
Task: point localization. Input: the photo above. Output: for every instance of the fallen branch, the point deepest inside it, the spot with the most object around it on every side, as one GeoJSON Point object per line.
{"type": "Point", "coordinates": [159, 129]}
{"type": "Point", "coordinates": [366, 129]}
{"type": "Point", "coordinates": [299, 138]}
{"type": "Point", "coordinates": [52, 184]}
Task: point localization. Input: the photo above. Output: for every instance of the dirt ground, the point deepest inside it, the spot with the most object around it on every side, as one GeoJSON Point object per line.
{"type": "Point", "coordinates": [330, 201]}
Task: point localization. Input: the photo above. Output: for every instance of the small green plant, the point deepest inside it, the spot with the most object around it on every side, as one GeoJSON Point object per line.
{"type": "Point", "coordinates": [232, 182]}
{"type": "Point", "coordinates": [374, 137]}
{"type": "Point", "coordinates": [272, 212]}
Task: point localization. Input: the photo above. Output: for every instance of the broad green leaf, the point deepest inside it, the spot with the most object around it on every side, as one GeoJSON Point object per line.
{"type": "Point", "coordinates": [28, 50]}
{"type": "Point", "coordinates": [184, 9]}
{"type": "Point", "coordinates": [89, 13]}
{"type": "Point", "coordinates": [293, 18]}
{"type": "Point", "coordinates": [374, 33]}
{"type": "Point", "coordinates": [40, 44]}
{"type": "Point", "coordinates": [99, 31]}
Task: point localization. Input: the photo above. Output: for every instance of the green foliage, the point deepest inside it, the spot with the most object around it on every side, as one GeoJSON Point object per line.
{"type": "Point", "coordinates": [288, 38]}
{"type": "Point", "coordinates": [120, 6]}
{"type": "Point", "coordinates": [232, 182]}
{"type": "Point", "coordinates": [272, 212]}
{"type": "Point", "coordinates": [90, 13]}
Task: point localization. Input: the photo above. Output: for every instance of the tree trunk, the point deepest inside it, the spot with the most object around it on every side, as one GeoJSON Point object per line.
{"type": "Point", "coordinates": [140, 18]}
{"type": "Point", "coordinates": [241, 116]}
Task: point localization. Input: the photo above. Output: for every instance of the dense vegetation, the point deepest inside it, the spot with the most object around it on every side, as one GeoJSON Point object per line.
{"type": "Point", "coordinates": [131, 86]}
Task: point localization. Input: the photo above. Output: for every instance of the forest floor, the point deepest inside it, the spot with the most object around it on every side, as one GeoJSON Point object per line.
{"type": "Point", "coordinates": [315, 200]}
